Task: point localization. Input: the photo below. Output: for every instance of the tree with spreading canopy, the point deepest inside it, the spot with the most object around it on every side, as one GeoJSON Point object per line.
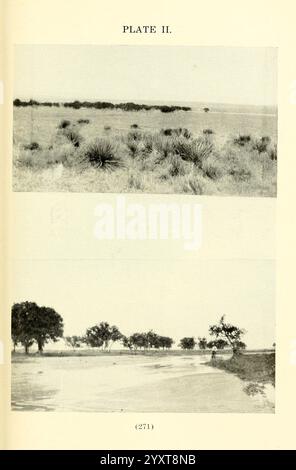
{"type": "Point", "coordinates": [187, 343]}
{"type": "Point", "coordinates": [102, 335]}
{"type": "Point", "coordinates": [230, 333]}
{"type": "Point", "coordinates": [31, 323]}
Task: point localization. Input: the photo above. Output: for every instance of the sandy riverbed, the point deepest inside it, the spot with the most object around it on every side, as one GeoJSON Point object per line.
{"type": "Point", "coordinates": [130, 384]}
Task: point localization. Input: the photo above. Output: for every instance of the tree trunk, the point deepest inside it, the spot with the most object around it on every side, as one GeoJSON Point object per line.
{"type": "Point", "coordinates": [40, 346]}
{"type": "Point", "coordinates": [26, 349]}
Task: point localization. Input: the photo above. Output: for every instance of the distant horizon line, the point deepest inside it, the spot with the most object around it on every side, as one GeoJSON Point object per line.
{"type": "Point", "coordinates": [144, 101]}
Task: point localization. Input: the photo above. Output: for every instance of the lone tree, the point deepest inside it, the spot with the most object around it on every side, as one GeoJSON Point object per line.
{"type": "Point", "coordinates": [230, 333]}
{"type": "Point", "coordinates": [30, 323]}
{"type": "Point", "coordinates": [202, 343]}
{"type": "Point", "coordinates": [187, 343]}
{"type": "Point", "coordinates": [206, 110]}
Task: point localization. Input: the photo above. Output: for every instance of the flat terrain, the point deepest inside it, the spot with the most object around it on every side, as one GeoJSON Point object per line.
{"type": "Point", "coordinates": [143, 158]}
{"type": "Point", "coordinates": [131, 383]}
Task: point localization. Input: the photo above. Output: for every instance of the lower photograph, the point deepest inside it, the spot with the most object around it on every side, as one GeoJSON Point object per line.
{"type": "Point", "coordinates": [112, 336]}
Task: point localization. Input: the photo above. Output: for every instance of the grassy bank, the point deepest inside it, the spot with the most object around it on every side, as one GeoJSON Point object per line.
{"type": "Point", "coordinates": [250, 367]}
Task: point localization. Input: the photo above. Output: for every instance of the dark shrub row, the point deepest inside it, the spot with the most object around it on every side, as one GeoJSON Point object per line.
{"type": "Point", "coordinates": [104, 105]}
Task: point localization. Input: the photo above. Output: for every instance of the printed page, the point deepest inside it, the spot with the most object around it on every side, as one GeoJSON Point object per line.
{"type": "Point", "coordinates": [149, 263]}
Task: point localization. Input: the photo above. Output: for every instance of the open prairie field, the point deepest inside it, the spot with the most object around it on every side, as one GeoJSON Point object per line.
{"type": "Point", "coordinates": [226, 151]}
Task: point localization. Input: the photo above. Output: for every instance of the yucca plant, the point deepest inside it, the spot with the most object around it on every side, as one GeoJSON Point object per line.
{"type": "Point", "coordinates": [102, 154]}
{"type": "Point", "coordinates": [196, 150]}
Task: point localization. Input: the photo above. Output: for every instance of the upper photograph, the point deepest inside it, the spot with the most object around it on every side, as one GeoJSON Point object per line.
{"type": "Point", "coordinates": [145, 119]}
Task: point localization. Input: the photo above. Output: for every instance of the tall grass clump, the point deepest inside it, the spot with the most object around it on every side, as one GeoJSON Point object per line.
{"type": "Point", "coordinates": [102, 154]}
{"type": "Point", "coordinates": [179, 132]}
{"type": "Point", "coordinates": [194, 185]}
{"type": "Point", "coordinates": [272, 152]}
{"type": "Point", "coordinates": [176, 167]}
{"type": "Point", "coordinates": [134, 136]}
{"type": "Point", "coordinates": [135, 181]}
{"type": "Point", "coordinates": [73, 136]}
{"type": "Point", "coordinates": [32, 146]}
{"type": "Point", "coordinates": [163, 146]}
{"type": "Point", "coordinates": [262, 144]}
{"type": "Point", "coordinates": [212, 168]}
{"type": "Point", "coordinates": [242, 139]}
{"type": "Point", "coordinates": [208, 132]}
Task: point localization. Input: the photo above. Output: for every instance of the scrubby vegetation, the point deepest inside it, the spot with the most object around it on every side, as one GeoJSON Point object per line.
{"type": "Point", "coordinates": [137, 159]}
{"type": "Point", "coordinates": [250, 367]}
{"type": "Point", "coordinates": [103, 105]}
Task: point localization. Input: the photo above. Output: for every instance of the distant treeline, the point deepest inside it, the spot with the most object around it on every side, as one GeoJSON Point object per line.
{"type": "Point", "coordinates": [103, 105]}
{"type": "Point", "coordinates": [31, 324]}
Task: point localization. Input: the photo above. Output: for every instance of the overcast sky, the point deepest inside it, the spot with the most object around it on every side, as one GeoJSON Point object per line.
{"type": "Point", "coordinates": [175, 298]}
{"type": "Point", "coordinates": [143, 73]}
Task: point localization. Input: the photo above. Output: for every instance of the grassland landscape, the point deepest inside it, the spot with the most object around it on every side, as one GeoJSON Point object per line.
{"type": "Point", "coordinates": [215, 150]}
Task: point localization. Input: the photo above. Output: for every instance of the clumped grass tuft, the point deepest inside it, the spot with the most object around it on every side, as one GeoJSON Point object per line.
{"type": "Point", "coordinates": [194, 185]}
{"type": "Point", "coordinates": [242, 139]}
{"type": "Point", "coordinates": [102, 154]}
{"type": "Point", "coordinates": [212, 168]}
{"type": "Point", "coordinates": [262, 144]}
{"type": "Point", "coordinates": [73, 136]}
{"type": "Point", "coordinates": [135, 181]}
{"type": "Point", "coordinates": [180, 131]}
{"type": "Point", "coordinates": [176, 167]}
{"type": "Point", "coordinates": [64, 124]}
{"type": "Point", "coordinates": [134, 136]}
{"type": "Point", "coordinates": [241, 170]}
{"type": "Point", "coordinates": [32, 146]}
{"type": "Point", "coordinates": [208, 131]}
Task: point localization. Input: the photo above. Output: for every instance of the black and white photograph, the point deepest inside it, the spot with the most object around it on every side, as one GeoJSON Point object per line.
{"type": "Point", "coordinates": [145, 119]}
{"type": "Point", "coordinates": [126, 336]}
